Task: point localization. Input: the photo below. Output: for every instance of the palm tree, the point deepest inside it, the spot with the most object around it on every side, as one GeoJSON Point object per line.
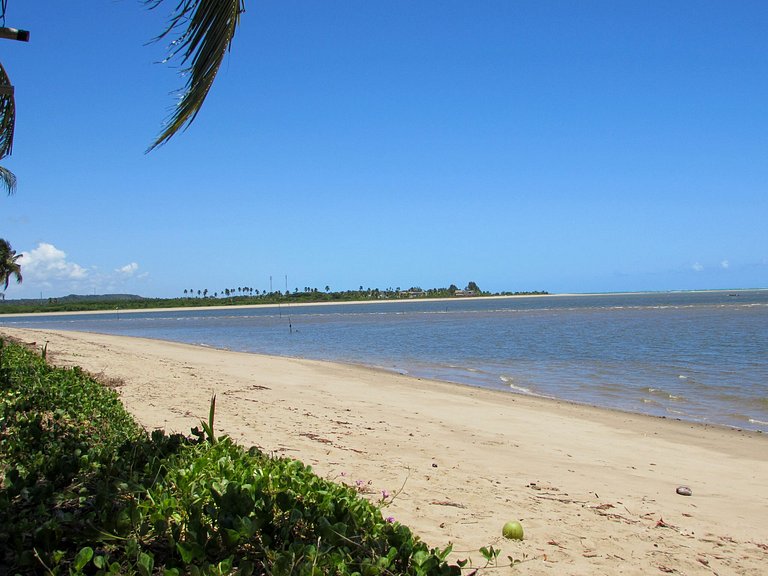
{"type": "Point", "coordinates": [8, 264]}
{"type": "Point", "coordinates": [7, 124]}
{"type": "Point", "coordinates": [202, 31]}
{"type": "Point", "coordinates": [205, 30]}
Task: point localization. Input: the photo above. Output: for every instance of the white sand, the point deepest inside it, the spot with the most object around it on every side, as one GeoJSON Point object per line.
{"type": "Point", "coordinates": [594, 489]}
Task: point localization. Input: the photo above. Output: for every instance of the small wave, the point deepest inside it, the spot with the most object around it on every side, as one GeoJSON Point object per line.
{"type": "Point", "coordinates": [509, 381]}
{"type": "Point", "coordinates": [522, 389]}
{"type": "Point", "coordinates": [664, 393]}
{"type": "Point", "coordinates": [682, 377]}
{"type": "Point", "coordinates": [756, 421]}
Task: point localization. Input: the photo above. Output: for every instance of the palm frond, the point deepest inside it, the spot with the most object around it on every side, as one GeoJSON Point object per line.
{"type": "Point", "coordinates": [205, 30]}
{"type": "Point", "coordinates": [7, 180]}
{"type": "Point", "coordinates": [7, 114]}
{"type": "Point", "coordinates": [8, 264]}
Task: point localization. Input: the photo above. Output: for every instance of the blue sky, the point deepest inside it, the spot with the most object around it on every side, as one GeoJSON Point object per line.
{"type": "Point", "coordinates": [524, 145]}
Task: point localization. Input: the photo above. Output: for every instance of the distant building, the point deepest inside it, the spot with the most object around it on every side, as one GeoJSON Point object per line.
{"type": "Point", "coordinates": [413, 293]}
{"type": "Point", "coordinates": [465, 293]}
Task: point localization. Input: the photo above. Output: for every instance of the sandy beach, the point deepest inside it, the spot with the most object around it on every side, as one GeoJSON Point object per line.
{"type": "Point", "coordinates": [594, 489]}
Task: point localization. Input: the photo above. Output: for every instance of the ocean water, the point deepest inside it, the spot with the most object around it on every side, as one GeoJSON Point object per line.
{"type": "Point", "coordinates": [698, 356]}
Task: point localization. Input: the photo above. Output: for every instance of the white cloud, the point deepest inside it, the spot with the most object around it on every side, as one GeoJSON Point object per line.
{"type": "Point", "coordinates": [47, 263]}
{"type": "Point", "coordinates": [697, 267]}
{"type": "Point", "coordinates": [47, 270]}
{"type": "Point", "coordinates": [128, 269]}
{"type": "Point", "coordinates": [725, 264]}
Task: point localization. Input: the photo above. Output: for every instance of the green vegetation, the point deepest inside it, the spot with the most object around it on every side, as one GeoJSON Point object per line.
{"type": "Point", "coordinates": [240, 296]}
{"type": "Point", "coordinates": [84, 490]}
{"type": "Point", "coordinates": [9, 265]}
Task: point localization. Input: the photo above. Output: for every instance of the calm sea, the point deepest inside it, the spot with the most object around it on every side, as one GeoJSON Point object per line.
{"type": "Point", "coordinates": [700, 356]}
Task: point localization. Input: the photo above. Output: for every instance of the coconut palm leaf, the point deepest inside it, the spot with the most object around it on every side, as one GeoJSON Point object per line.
{"type": "Point", "coordinates": [8, 264]}
{"type": "Point", "coordinates": [7, 180]}
{"type": "Point", "coordinates": [204, 31]}
{"type": "Point", "coordinates": [7, 114]}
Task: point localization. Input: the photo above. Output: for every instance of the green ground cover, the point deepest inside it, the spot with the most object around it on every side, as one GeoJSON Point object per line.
{"type": "Point", "coordinates": [84, 490]}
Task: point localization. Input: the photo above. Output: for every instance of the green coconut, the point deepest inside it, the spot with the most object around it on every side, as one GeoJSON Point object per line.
{"type": "Point", "coordinates": [513, 530]}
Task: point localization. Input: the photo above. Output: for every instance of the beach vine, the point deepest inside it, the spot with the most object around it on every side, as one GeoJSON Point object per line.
{"type": "Point", "coordinates": [85, 490]}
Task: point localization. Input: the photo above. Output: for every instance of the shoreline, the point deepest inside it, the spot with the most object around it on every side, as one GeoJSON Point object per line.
{"type": "Point", "coordinates": [280, 305]}
{"type": "Point", "coordinates": [646, 405]}
{"type": "Point", "coordinates": [502, 393]}
{"type": "Point", "coordinates": [593, 487]}
{"type": "Point", "coordinates": [359, 302]}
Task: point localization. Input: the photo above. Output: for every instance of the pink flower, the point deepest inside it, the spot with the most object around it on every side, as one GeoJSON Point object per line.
{"type": "Point", "coordinates": [390, 519]}
{"type": "Point", "coordinates": [384, 494]}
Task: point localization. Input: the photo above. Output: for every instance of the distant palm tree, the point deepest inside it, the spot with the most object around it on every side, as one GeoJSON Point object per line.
{"type": "Point", "coordinates": [8, 264]}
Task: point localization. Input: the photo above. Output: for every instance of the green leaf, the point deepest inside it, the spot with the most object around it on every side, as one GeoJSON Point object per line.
{"type": "Point", "coordinates": [231, 537]}
{"type": "Point", "coordinates": [82, 558]}
{"type": "Point", "coordinates": [444, 554]}
{"type": "Point", "coordinates": [146, 564]}
{"type": "Point", "coordinates": [189, 551]}
{"type": "Point", "coordinates": [207, 31]}
{"type": "Point", "coordinates": [246, 568]}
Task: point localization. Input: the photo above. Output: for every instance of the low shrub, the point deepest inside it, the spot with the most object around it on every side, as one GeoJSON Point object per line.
{"type": "Point", "coordinates": [84, 490]}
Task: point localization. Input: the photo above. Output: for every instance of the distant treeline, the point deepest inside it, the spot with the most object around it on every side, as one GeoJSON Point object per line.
{"type": "Point", "coordinates": [240, 296]}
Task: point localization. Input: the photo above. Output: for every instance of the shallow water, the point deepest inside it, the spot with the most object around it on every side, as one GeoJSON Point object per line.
{"type": "Point", "coordinates": [700, 356]}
